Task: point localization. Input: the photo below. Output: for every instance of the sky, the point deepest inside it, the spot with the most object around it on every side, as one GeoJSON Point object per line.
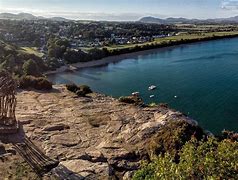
{"type": "Point", "coordinates": [123, 9]}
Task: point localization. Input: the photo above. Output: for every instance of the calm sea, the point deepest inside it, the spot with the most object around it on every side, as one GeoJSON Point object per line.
{"type": "Point", "coordinates": [203, 76]}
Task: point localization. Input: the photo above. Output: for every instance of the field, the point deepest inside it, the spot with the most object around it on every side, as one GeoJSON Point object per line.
{"type": "Point", "coordinates": [177, 38]}
{"type": "Point", "coordinates": [32, 50]}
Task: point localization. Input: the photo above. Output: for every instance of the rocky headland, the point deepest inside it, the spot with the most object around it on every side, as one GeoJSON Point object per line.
{"type": "Point", "coordinates": [92, 137]}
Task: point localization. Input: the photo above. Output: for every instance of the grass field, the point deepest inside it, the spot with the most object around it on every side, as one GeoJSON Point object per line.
{"type": "Point", "coordinates": [175, 39]}
{"type": "Point", "coordinates": [32, 50]}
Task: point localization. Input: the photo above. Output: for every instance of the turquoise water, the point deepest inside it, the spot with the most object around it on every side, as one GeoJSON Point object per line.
{"type": "Point", "coordinates": [203, 76]}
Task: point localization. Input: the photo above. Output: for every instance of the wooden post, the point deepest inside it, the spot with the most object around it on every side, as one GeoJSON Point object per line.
{"type": "Point", "coordinates": [7, 100]}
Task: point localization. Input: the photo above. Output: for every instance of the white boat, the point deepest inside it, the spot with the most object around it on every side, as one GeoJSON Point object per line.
{"type": "Point", "coordinates": [153, 87]}
{"type": "Point", "coordinates": [135, 94]}
{"type": "Point", "coordinates": [151, 96]}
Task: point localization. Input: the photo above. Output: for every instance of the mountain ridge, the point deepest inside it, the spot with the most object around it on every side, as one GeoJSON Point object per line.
{"type": "Point", "coordinates": [28, 16]}
{"type": "Point", "coordinates": [146, 19]}
{"type": "Point", "coordinates": [172, 20]}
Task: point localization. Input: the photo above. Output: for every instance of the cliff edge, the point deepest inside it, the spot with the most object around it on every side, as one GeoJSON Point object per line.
{"type": "Point", "coordinates": [93, 137]}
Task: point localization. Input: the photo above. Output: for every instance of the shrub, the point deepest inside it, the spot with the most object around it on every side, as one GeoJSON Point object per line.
{"type": "Point", "coordinates": [131, 100]}
{"type": "Point", "coordinates": [72, 87]}
{"type": "Point", "coordinates": [82, 90]}
{"type": "Point", "coordinates": [209, 159]}
{"type": "Point", "coordinates": [43, 84]}
{"type": "Point", "coordinates": [86, 89]}
{"type": "Point", "coordinates": [80, 93]}
{"type": "Point", "coordinates": [153, 104]}
{"type": "Point", "coordinates": [30, 67]}
{"type": "Point", "coordinates": [39, 83]}
{"type": "Point", "coordinates": [172, 136]}
{"type": "Point", "coordinates": [128, 100]}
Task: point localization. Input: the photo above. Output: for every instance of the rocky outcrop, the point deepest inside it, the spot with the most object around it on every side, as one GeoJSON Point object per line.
{"type": "Point", "coordinates": [93, 137]}
{"type": "Point", "coordinates": [55, 127]}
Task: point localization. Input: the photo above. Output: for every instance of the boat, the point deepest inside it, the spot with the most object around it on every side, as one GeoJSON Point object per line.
{"type": "Point", "coordinates": [151, 96]}
{"type": "Point", "coordinates": [152, 87]}
{"type": "Point", "coordinates": [135, 94]}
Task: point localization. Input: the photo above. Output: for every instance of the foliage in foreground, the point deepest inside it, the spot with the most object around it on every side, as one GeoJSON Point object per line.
{"type": "Point", "coordinates": [198, 160]}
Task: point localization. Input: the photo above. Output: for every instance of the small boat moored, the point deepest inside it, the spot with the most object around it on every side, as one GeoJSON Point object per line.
{"type": "Point", "coordinates": [152, 87]}
{"type": "Point", "coordinates": [152, 96]}
{"type": "Point", "coordinates": [135, 94]}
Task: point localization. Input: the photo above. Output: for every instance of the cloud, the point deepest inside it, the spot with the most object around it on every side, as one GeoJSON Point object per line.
{"type": "Point", "coordinates": [229, 4]}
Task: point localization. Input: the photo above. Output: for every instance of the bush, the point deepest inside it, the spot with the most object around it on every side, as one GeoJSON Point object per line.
{"type": "Point", "coordinates": [81, 91]}
{"type": "Point", "coordinates": [209, 159]}
{"type": "Point", "coordinates": [131, 100]}
{"type": "Point", "coordinates": [172, 136]}
{"type": "Point", "coordinates": [128, 100]}
{"type": "Point", "coordinates": [30, 67]}
{"type": "Point", "coordinates": [39, 83]}
{"type": "Point", "coordinates": [85, 89]}
{"type": "Point", "coordinates": [43, 84]}
{"type": "Point", "coordinates": [72, 87]}
{"type": "Point", "coordinates": [153, 104]}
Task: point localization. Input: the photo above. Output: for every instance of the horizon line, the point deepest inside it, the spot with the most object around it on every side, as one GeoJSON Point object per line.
{"type": "Point", "coordinates": [97, 16]}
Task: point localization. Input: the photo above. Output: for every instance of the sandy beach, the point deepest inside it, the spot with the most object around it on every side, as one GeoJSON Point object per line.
{"type": "Point", "coordinates": [103, 61]}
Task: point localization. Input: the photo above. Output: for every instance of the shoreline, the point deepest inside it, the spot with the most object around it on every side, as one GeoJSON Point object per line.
{"type": "Point", "coordinates": [103, 61]}
{"type": "Point", "coordinates": [117, 58]}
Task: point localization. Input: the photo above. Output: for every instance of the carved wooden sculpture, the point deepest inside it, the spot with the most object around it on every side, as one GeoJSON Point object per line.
{"type": "Point", "coordinates": [7, 102]}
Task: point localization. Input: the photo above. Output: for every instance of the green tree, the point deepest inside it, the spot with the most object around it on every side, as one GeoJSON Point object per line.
{"type": "Point", "coordinates": [9, 64]}
{"type": "Point", "coordinates": [30, 68]}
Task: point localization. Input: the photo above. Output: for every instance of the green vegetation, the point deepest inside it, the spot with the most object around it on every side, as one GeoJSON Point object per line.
{"type": "Point", "coordinates": [30, 68]}
{"type": "Point", "coordinates": [31, 50]}
{"type": "Point", "coordinates": [131, 100]}
{"type": "Point", "coordinates": [172, 40]}
{"type": "Point", "coordinates": [45, 45]}
{"type": "Point", "coordinates": [19, 63]}
{"type": "Point", "coordinates": [183, 151]}
{"type": "Point", "coordinates": [39, 83]}
{"type": "Point", "coordinates": [153, 104]}
{"type": "Point", "coordinates": [60, 49]}
{"type": "Point", "coordinates": [172, 137]}
{"type": "Point", "coordinates": [26, 68]}
{"type": "Point", "coordinates": [34, 48]}
{"type": "Point", "coordinates": [57, 47]}
{"type": "Point", "coordinates": [81, 91]}
{"type": "Point", "coordinates": [208, 159]}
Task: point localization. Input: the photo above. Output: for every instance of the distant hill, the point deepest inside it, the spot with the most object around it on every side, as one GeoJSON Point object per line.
{"type": "Point", "coordinates": [27, 16]}
{"type": "Point", "coordinates": [184, 20]}
{"type": "Point", "coordinates": [59, 19]}
{"type": "Point", "coordinates": [149, 19]}
{"type": "Point", "coordinates": [152, 20]}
